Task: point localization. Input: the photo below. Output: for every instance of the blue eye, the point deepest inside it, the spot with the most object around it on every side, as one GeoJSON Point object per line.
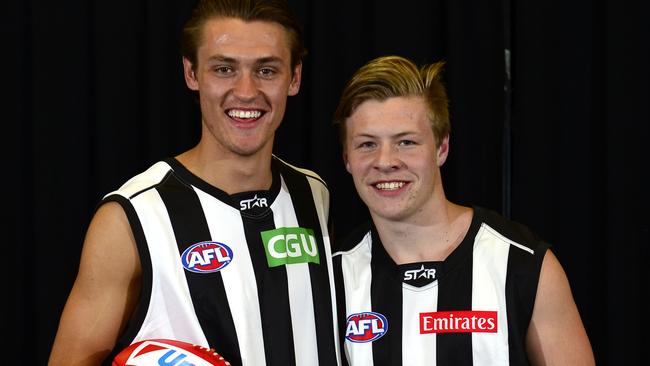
{"type": "Point", "coordinates": [366, 145]}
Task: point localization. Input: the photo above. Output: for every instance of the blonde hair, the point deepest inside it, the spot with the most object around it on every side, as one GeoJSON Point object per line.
{"type": "Point", "coordinates": [395, 76]}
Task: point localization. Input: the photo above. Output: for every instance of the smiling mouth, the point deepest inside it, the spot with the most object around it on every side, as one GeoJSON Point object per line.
{"type": "Point", "coordinates": [244, 115]}
{"type": "Point", "coordinates": [389, 186]}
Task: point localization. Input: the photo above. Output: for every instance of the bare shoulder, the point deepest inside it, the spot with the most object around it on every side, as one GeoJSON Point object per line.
{"type": "Point", "coordinates": [104, 293]}
{"type": "Point", "coordinates": [556, 334]}
{"type": "Point", "coordinates": [110, 234]}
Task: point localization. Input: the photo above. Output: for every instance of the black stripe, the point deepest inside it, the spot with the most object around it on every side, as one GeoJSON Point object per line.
{"type": "Point", "coordinates": [137, 318]}
{"type": "Point", "coordinates": [272, 291]}
{"type": "Point", "coordinates": [386, 299]}
{"type": "Point", "coordinates": [516, 329]}
{"type": "Point", "coordinates": [455, 293]}
{"type": "Point", "coordinates": [521, 287]}
{"type": "Point", "coordinates": [305, 208]}
{"type": "Point", "coordinates": [207, 289]}
{"type": "Point", "coordinates": [521, 279]}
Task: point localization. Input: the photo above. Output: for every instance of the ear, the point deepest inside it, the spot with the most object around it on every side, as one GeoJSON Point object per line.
{"type": "Point", "coordinates": [190, 75]}
{"type": "Point", "coordinates": [346, 161]}
{"type": "Point", "coordinates": [294, 86]}
{"type": "Point", "coordinates": [443, 151]}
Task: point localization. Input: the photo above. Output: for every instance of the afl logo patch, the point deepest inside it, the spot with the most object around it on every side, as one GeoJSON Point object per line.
{"type": "Point", "coordinates": [365, 327]}
{"type": "Point", "coordinates": [206, 257]}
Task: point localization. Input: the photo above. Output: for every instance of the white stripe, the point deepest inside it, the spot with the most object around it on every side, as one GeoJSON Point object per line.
{"type": "Point", "coordinates": [320, 192]}
{"type": "Point", "coordinates": [171, 312]}
{"type": "Point", "coordinates": [357, 278]}
{"type": "Point", "coordinates": [501, 237]}
{"type": "Point", "coordinates": [418, 349]}
{"type": "Point", "coordinates": [304, 171]}
{"type": "Point", "coordinates": [488, 294]}
{"type": "Point", "coordinates": [150, 177]}
{"type": "Point", "coordinates": [301, 302]}
{"type": "Point", "coordinates": [226, 227]}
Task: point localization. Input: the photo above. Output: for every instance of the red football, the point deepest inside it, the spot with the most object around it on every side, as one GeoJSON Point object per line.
{"type": "Point", "coordinates": [155, 352]}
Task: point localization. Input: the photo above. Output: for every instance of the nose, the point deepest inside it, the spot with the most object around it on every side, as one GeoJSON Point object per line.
{"type": "Point", "coordinates": [245, 87]}
{"type": "Point", "coordinates": [387, 158]}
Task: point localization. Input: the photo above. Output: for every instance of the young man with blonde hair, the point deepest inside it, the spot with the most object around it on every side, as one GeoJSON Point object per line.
{"type": "Point", "coordinates": [428, 281]}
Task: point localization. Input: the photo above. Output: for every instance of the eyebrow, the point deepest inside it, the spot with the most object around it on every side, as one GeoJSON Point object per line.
{"type": "Point", "coordinates": [220, 58]}
{"type": "Point", "coordinates": [395, 136]}
{"type": "Point", "coordinates": [269, 60]}
{"type": "Point", "coordinates": [232, 60]}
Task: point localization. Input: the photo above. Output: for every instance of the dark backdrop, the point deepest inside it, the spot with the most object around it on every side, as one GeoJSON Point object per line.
{"type": "Point", "coordinates": [96, 95]}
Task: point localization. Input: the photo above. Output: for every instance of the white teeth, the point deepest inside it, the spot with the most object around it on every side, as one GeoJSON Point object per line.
{"type": "Point", "coordinates": [389, 185]}
{"type": "Point", "coordinates": [237, 113]}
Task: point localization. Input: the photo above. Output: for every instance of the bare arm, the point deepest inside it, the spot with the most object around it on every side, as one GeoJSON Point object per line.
{"type": "Point", "coordinates": [104, 293]}
{"type": "Point", "coordinates": [556, 335]}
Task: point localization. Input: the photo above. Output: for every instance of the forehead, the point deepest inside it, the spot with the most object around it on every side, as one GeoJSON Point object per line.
{"type": "Point", "coordinates": [395, 115]}
{"type": "Point", "coordinates": [238, 39]}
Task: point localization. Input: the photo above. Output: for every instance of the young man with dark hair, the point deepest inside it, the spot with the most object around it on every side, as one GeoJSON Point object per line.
{"type": "Point", "coordinates": [225, 245]}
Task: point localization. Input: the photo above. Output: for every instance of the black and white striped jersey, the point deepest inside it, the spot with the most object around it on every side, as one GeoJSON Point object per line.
{"type": "Point", "coordinates": [249, 274]}
{"type": "Point", "coordinates": [473, 308]}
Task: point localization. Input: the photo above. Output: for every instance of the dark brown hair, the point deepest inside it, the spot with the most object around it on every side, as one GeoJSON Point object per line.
{"type": "Point", "coordinates": [276, 11]}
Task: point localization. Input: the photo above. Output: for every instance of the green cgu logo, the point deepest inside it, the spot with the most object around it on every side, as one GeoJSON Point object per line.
{"type": "Point", "coordinates": [290, 245]}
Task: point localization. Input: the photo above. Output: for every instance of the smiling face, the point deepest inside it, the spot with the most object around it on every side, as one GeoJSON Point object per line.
{"type": "Point", "coordinates": [243, 76]}
{"type": "Point", "coordinates": [391, 153]}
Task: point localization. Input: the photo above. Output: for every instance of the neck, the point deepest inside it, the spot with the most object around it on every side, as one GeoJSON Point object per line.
{"type": "Point", "coordinates": [432, 239]}
{"type": "Point", "coordinates": [231, 173]}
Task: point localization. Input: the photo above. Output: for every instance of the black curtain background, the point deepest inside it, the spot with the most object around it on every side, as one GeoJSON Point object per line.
{"type": "Point", "coordinates": [96, 95]}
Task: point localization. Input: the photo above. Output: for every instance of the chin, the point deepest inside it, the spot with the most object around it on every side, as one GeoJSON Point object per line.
{"type": "Point", "coordinates": [388, 213]}
{"type": "Point", "coordinates": [246, 148]}
{"type": "Point", "coordinates": [246, 151]}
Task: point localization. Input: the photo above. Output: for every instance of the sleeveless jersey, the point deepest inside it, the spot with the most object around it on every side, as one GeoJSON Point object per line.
{"type": "Point", "coordinates": [473, 308]}
{"type": "Point", "coordinates": [249, 275]}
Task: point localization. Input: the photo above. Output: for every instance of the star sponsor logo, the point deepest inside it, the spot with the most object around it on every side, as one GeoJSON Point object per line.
{"type": "Point", "coordinates": [415, 274]}
{"type": "Point", "coordinates": [250, 203]}
{"type": "Point", "coordinates": [459, 322]}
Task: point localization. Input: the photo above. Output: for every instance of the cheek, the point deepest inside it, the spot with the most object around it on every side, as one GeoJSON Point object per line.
{"type": "Point", "coordinates": [357, 166]}
{"type": "Point", "coordinates": [280, 102]}
{"type": "Point", "coordinates": [211, 95]}
{"type": "Point", "coordinates": [275, 89]}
